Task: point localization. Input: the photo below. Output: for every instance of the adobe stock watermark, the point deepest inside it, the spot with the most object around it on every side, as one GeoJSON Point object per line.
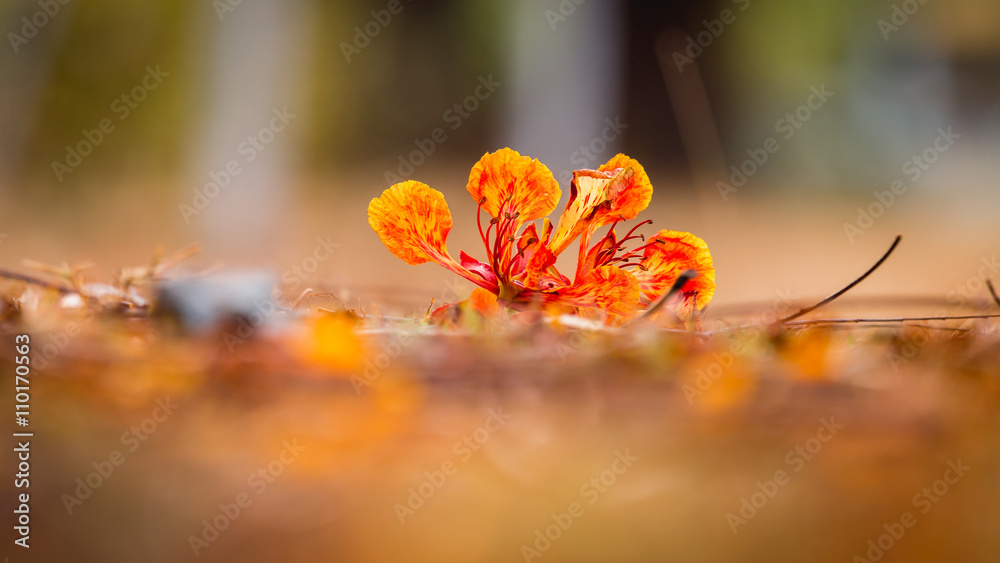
{"type": "Point", "coordinates": [786, 128]}
{"type": "Point", "coordinates": [901, 14]}
{"type": "Point", "coordinates": [914, 168]}
{"type": "Point", "coordinates": [297, 274]}
{"type": "Point", "coordinates": [364, 34]}
{"type": "Point", "coordinates": [58, 340]}
{"type": "Point", "coordinates": [265, 309]}
{"type": "Point", "coordinates": [972, 288]}
{"type": "Point", "coordinates": [697, 44]}
{"type": "Point", "coordinates": [132, 440]}
{"type": "Point", "coordinates": [122, 107]}
{"type": "Point", "coordinates": [924, 501]}
{"type": "Point", "coordinates": [454, 116]}
{"type": "Point", "coordinates": [563, 11]}
{"type": "Point", "coordinates": [975, 287]}
{"type": "Point", "coordinates": [391, 350]}
{"type": "Point", "coordinates": [463, 449]}
{"type": "Point", "coordinates": [257, 482]}
{"type": "Point", "coordinates": [588, 155]}
{"type": "Point", "coordinates": [31, 25]}
{"type": "Point", "coordinates": [591, 491]}
{"type": "Point", "coordinates": [795, 459]}
{"type": "Point", "coordinates": [909, 347]}
{"type": "Point", "coordinates": [223, 7]}
{"type": "Point", "coordinates": [575, 341]}
{"type": "Point", "coordinates": [745, 337]}
{"type": "Point", "coordinates": [250, 148]}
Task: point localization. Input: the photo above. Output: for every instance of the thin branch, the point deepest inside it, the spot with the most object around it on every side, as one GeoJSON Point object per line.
{"type": "Point", "coordinates": [894, 326]}
{"type": "Point", "coordinates": [865, 321]}
{"type": "Point", "coordinates": [891, 320]}
{"type": "Point", "coordinates": [36, 281]}
{"type": "Point", "coordinates": [679, 283]}
{"type": "Point", "coordinates": [754, 307]}
{"type": "Point", "coordinates": [993, 292]}
{"type": "Point", "coordinates": [850, 286]}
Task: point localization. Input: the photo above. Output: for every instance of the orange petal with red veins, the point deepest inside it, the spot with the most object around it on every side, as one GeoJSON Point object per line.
{"type": "Point", "coordinates": [484, 301]}
{"type": "Point", "coordinates": [637, 192]}
{"type": "Point", "coordinates": [608, 288]}
{"type": "Point", "coordinates": [413, 221]}
{"type": "Point", "coordinates": [538, 263]}
{"type": "Point", "coordinates": [528, 238]}
{"type": "Point", "coordinates": [619, 190]}
{"type": "Point", "coordinates": [526, 185]}
{"type": "Point", "coordinates": [664, 261]}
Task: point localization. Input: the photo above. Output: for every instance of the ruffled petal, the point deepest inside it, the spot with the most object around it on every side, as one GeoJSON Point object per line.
{"type": "Point", "coordinates": [618, 190]}
{"type": "Point", "coordinates": [505, 181]}
{"type": "Point", "coordinates": [413, 221]}
{"type": "Point", "coordinates": [637, 192]}
{"type": "Point", "coordinates": [669, 254]}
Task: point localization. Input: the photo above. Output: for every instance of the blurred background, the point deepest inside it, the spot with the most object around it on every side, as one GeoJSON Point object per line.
{"type": "Point", "coordinates": [796, 137]}
{"type": "Point", "coordinates": [769, 127]}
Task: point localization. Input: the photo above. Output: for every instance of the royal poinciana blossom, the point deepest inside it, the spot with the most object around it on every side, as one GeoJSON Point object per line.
{"type": "Point", "coordinates": [617, 276]}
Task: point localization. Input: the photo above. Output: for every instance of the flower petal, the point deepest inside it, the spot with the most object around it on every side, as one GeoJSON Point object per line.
{"type": "Point", "coordinates": [539, 262]}
{"type": "Point", "coordinates": [608, 288]}
{"type": "Point", "coordinates": [637, 192]}
{"type": "Point", "coordinates": [413, 221]}
{"type": "Point", "coordinates": [484, 301]}
{"type": "Point", "coordinates": [618, 190]}
{"type": "Point", "coordinates": [664, 261]}
{"type": "Point", "coordinates": [505, 181]}
{"type": "Point", "coordinates": [482, 270]}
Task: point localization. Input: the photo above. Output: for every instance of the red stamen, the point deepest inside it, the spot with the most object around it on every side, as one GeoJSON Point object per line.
{"type": "Point", "coordinates": [628, 235]}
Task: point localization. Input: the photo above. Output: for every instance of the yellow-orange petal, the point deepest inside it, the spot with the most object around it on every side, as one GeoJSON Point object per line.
{"type": "Point", "coordinates": [507, 182]}
{"type": "Point", "coordinates": [618, 190]}
{"type": "Point", "coordinates": [608, 288]}
{"type": "Point", "coordinates": [665, 260]}
{"type": "Point", "coordinates": [484, 301]}
{"type": "Point", "coordinates": [413, 221]}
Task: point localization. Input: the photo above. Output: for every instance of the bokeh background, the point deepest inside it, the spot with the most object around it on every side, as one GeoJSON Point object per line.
{"type": "Point", "coordinates": [688, 88]}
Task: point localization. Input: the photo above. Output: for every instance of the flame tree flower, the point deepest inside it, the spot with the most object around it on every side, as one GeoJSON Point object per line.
{"type": "Point", "coordinates": [514, 191]}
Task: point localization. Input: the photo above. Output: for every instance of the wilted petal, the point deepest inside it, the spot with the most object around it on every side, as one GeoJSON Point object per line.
{"type": "Point", "coordinates": [635, 195]}
{"type": "Point", "coordinates": [669, 254]}
{"type": "Point", "coordinates": [618, 190]}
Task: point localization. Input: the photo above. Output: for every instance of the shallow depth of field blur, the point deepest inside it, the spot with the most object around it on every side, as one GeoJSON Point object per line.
{"type": "Point", "coordinates": [797, 138]}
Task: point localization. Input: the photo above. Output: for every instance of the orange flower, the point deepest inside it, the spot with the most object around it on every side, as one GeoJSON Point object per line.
{"type": "Point", "coordinates": [413, 222]}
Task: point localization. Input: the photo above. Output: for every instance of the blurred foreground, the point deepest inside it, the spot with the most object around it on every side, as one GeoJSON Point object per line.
{"type": "Point", "coordinates": [328, 438]}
